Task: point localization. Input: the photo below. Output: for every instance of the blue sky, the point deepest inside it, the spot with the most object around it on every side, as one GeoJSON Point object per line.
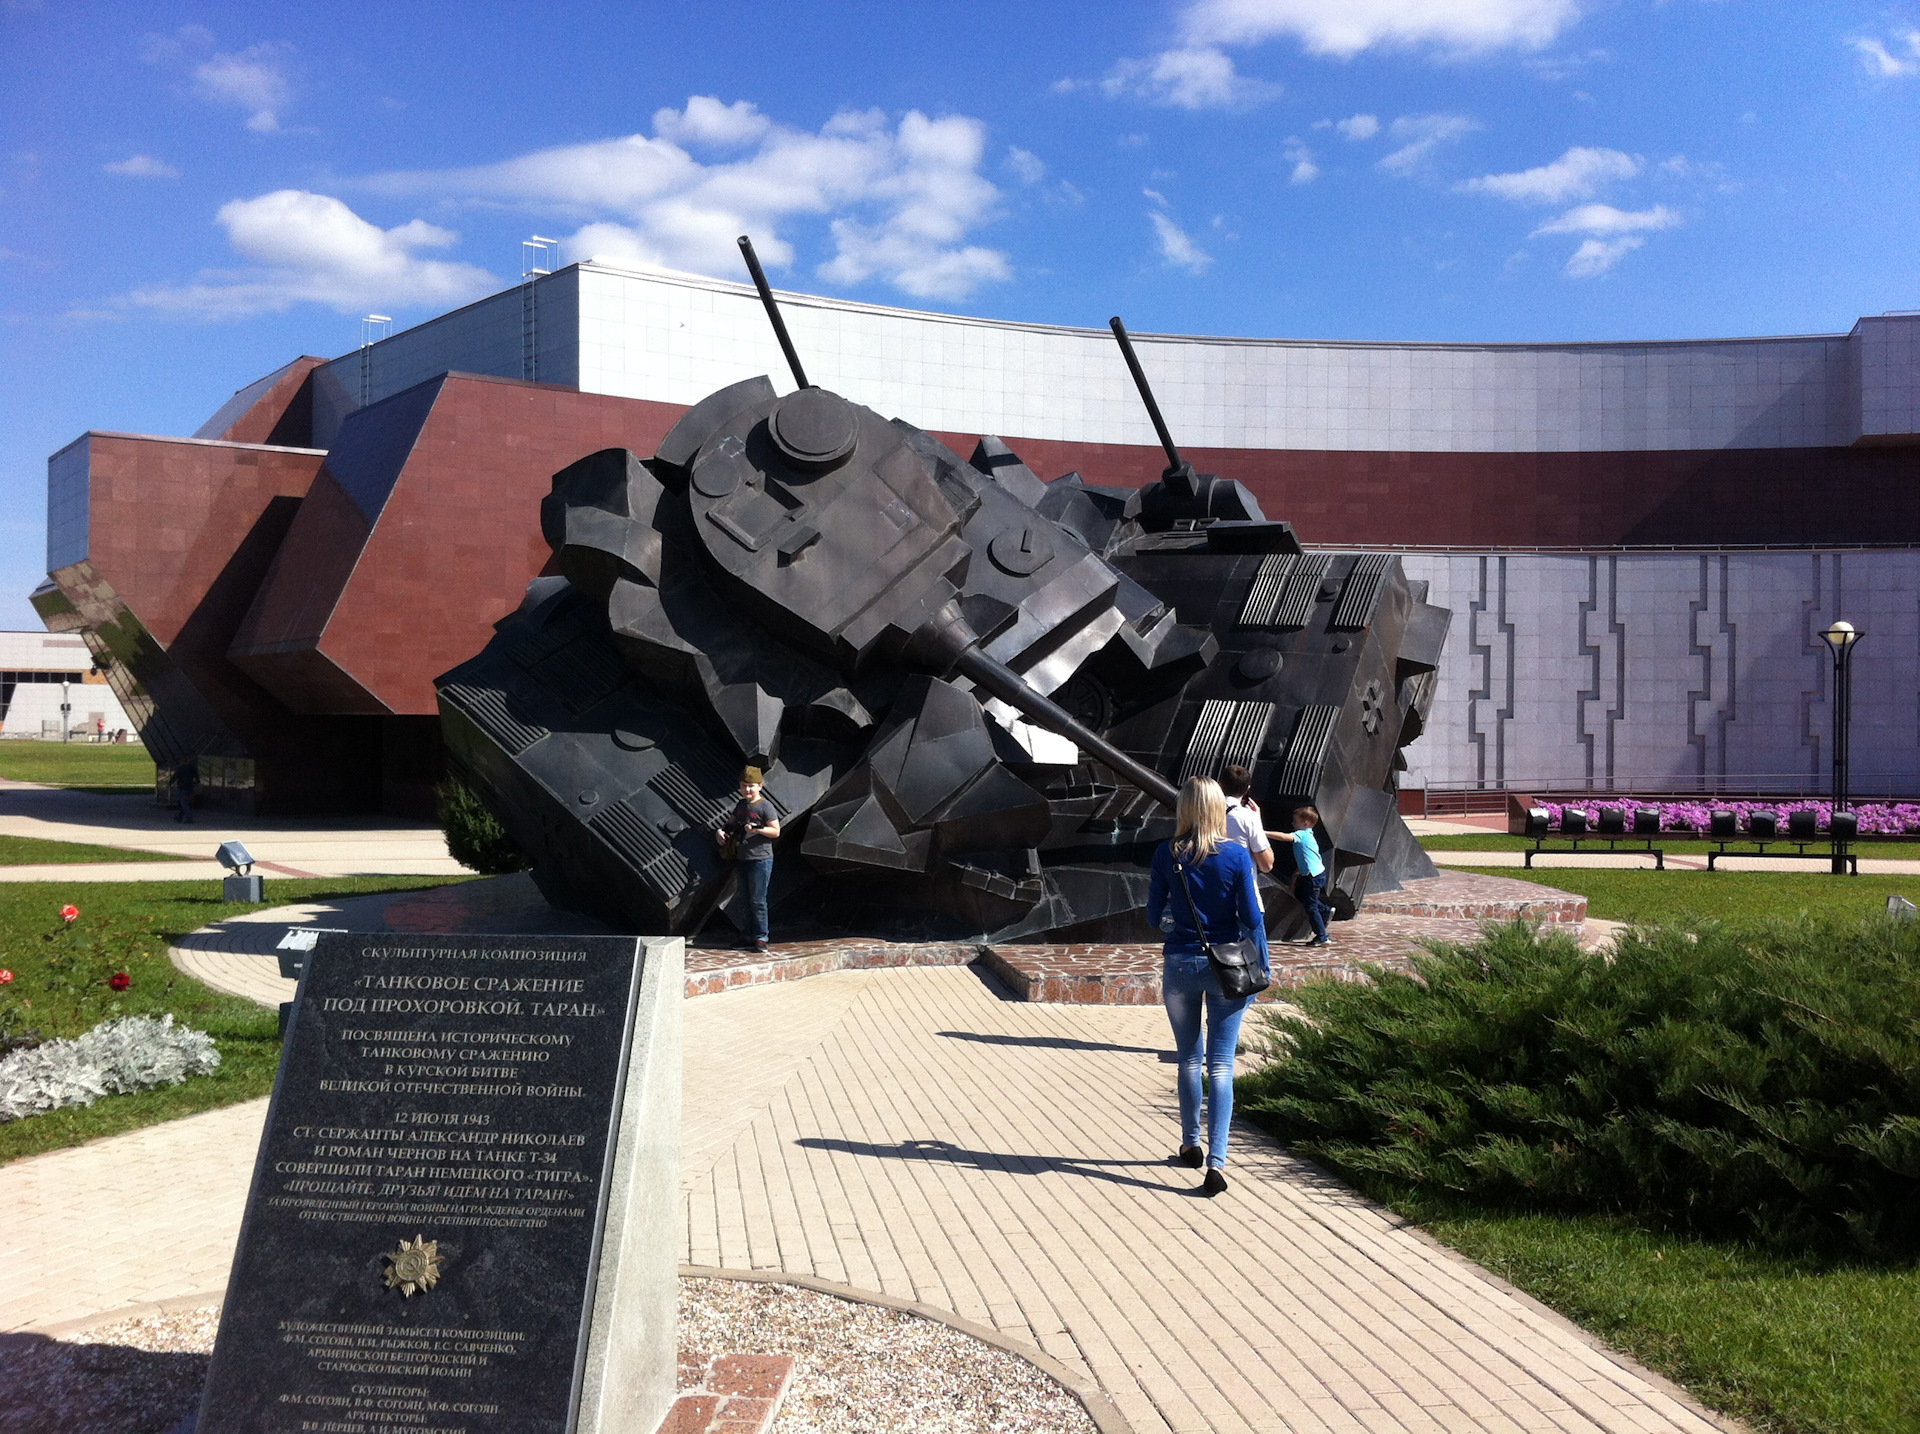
{"type": "Point", "coordinates": [194, 194]}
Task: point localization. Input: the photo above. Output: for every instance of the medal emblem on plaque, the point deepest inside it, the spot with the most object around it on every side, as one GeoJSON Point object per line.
{"type": "Point", "coordinates": [414, 1267]}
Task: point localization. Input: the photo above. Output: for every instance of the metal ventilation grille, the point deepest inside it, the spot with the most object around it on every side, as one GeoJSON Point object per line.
{"type": "Point", "coordinates": [1263, 598]}
{"type": "Point", "coordinates": [685, 795]}
{"type": "Point", "coordinates": [643, 848]}
{"type": "Point", "coordinates": [492, 713]}
{"type": "Point", "coordinates": [1307, 751]}
{"type": "Point", "coordinates": [1303, 587]}
{"type": "Point", "coordinates": [1361, 595]}
{"type": "Point", "coordinates": [1228, 733]}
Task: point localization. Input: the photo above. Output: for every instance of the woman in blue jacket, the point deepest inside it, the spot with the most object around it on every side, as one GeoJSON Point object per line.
{"type": "Point", "coordinates": [1220, 875]}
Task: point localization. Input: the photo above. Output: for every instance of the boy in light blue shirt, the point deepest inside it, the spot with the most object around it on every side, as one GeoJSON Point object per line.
{"type": "Point", "coordinates": [1310, 871]}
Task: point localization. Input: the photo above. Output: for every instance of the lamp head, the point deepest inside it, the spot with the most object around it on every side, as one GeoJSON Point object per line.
{"type": "Point", "coordinates": [1840, 635]}
{"type": "Point", "coordinates": [234, 857]}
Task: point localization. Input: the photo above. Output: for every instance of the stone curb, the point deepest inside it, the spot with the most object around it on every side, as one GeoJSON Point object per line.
{"type": "Point", "coordinates": [139, 1311]}
{"type": "Point", "coordinates": [1105, 1415]}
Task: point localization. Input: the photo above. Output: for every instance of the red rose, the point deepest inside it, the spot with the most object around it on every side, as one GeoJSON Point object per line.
{"type": "Point", "coordinates": [6, 976]}
{"type": "Point", "coordinates": [68, 913]}
{"type": "Point", "coordinates": [119, 980]}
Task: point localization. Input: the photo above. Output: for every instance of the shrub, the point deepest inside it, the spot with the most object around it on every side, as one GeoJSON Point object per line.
{"type": "Point", "coordinates": [1761, 1082]}
{"type": "Point", "coordinates": [115, 1057]}
{"type": "Point", "coordinates": [475, 837]}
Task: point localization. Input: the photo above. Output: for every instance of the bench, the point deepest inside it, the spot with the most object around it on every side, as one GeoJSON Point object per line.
{"type": "Point", "coordinates": [1612, 827]}
{"type": "Point", "coordinates": [1803, 831]}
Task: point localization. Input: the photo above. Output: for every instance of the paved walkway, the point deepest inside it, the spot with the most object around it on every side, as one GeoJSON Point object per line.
{"type": "Point", "coordinates": [281, 846]}
{"type": "Point", "coordinates": [917, 1133]}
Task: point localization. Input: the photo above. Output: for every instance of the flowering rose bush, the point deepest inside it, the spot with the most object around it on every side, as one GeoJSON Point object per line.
{"type": "Point", "coordinates": [1876, 818]}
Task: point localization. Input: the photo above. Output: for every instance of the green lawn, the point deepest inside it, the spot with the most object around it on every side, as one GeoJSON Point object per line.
{"type": "Point", "coordinates": [1792, 1345]}
{"type": "Point", "coordinates": [1882, 850]}
{"type": "Point", "coordinates": [98, 766]}
{"type": "Point", "coordinates": [32, 851]}
{"type": "Point", "coordinates": [1649, 897]}
{"type": "Point", "coordinates": [60, 989]}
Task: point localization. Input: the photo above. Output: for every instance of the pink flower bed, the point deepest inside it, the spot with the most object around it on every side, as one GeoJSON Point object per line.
{"type": "Point", "coordinates": [1876, 818]}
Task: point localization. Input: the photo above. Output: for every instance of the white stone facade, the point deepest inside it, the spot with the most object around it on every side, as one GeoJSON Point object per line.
{"type": "Point", "coordinates": [675, 338]}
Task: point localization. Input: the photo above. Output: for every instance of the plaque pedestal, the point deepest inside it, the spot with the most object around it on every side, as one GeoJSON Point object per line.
{"type": "Point", "coordinates": [463, 1219]}
{"type": "Point", "coordinates": [632, 1345]}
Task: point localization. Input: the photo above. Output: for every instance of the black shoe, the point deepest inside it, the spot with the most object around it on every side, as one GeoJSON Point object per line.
{"type": "Point", "coordinates": [1192, 1155]}
{"type": "Point", "coordinates": [760, 947]}
{"type": "Point", "coordinates": [1215, 1182]}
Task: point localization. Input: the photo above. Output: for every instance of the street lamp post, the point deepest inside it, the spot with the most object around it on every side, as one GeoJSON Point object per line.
{"type": "Point", "coordinates": [66, 711]}
{"type": "Point", "coordinates": [1840, 637]}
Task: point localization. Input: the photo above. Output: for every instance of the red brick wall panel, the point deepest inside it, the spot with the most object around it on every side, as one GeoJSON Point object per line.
{"type": "Point", "coordinates": [283, 415]}
{"type": "Point", "coordinates": [1709, 497]}
{"type": "Point", "coordinates": [459, 538]}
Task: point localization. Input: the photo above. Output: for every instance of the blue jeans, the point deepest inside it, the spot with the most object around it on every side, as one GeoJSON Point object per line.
{"type": "Point", "coordinates": [1311, 892]}
{"type": "Point", "coordinates": [754, 876]}
{"type": "Point", "coordinates": [1187, 985]}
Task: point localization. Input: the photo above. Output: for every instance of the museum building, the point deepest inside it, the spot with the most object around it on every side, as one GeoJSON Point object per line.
{"type": "Point", "coordinates": [1639, 541]}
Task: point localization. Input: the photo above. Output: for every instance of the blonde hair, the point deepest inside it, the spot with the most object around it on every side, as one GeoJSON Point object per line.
{"type": "Point", "coordinates": [1200, 821]}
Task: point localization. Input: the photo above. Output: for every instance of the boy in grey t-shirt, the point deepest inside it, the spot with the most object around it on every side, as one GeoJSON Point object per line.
{"type": "Point", "coordinates": [754, 827]}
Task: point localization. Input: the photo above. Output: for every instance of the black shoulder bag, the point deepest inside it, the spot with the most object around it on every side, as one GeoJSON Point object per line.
{"type": "Point", "coordinates": [1235, 963]}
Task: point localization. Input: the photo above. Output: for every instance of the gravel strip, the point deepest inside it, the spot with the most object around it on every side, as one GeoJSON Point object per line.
{"type": "Point", "coordinates": [859, 1368]}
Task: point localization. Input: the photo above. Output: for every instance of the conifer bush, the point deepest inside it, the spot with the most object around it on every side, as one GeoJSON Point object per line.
{"type": "Point", "coordinates": [475, 837]}
{"type": "Point", "coordinates": [1761, 1082]}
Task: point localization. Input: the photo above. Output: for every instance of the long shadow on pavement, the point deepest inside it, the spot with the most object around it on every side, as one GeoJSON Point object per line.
{"type": "Point", "coordinates": [990, 1161]}
{"type": "Point", "coordinates": [1056, 1043]}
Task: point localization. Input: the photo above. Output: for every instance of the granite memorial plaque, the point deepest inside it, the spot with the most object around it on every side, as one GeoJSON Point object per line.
{"type": "Point", "coordinates": [462, 1220]}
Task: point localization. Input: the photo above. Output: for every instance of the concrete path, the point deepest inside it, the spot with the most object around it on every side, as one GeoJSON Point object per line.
{"type": "Point", "coordinates": [281, 846]}
{"type": "Point", "coordinates": [916, 1133]}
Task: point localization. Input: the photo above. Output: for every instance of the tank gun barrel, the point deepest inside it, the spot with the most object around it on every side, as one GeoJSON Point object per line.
{"type": "Point", "coordinates": [780, 325]}
{"type": "Point", "coordinates": [1174, 460]}
{"type": "Point", "coordinates": [995, 677]}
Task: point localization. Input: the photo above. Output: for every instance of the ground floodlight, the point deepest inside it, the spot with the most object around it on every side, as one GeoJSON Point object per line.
{"type": "Point", "coordinates": [1723, 825]}
{"type": "Point", "coordinates": [1646, 821]}
{"type": "Point", "coordinates": [1900, 909]}
{"type": "Point", "coordinates": [1539, 821]}
{"type": "Point", "coordinates": [1613, 821]}
{"type": "Point", "coordinates": [1845, 826]}
{"type": "Point", "coordinates": [1573, 821]}
{"type": "Point", "coordinates": [1803, 825]}
{"type": "Point", "coordinates": [234, 858]}
{"type": "Point", "coordinates": [1764, 826]}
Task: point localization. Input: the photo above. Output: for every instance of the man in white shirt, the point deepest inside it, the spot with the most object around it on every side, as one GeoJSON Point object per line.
{"type": "Point", "coordinates": [1243, 818]}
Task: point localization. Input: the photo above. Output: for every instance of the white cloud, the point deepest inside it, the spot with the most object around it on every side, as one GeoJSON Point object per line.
{"type": "Point", "coordinates": [1613, 234]}
{"type": "Point", "coordinates": [1196, 78]}
{"type": "Point", "coordinates": [705, 121]}
{"type": "Point", "coordinates": [1358, 127]}
{"type": "Point", "coordinates": [1605, 219]}
{"type": "Point", "coordinates": [1305, 171]}
{"type": "Point", "coordinates": [1881, 60]}
{"type": "Point", "coordinates": [1595, 256]}
{"type": "Point", "coordinates": [1577, 174]}
{"type": "Point", "coordinates": [1027, 166]}
{"type": "Point", "coordinates": [1418, 136]}
{"type": "Point", "coordinates": [311, 248]}
{"type": "Point", "coordinates": [252, 79]}
{"type": "Point", "coordinates": [1176, 248]}
{"type": "Point", "coordinates": [1343, 28]}
{"type": "Point", "coordinates": [900, 199]}
{"type": "Point", "coordinates": [142, 166]}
